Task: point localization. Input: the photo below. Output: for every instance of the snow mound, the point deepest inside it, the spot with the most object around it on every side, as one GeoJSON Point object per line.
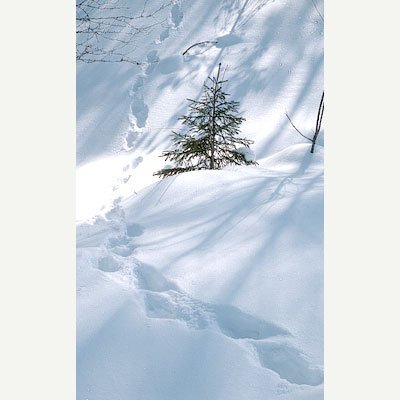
{"type": "Point", "coordinates": [206, 284]}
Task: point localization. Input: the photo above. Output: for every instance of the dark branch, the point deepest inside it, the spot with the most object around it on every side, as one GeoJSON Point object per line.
{"type": "Point", "coordinates": [296, 128]}
{"type": "Point", "coordinates": [199, 44]}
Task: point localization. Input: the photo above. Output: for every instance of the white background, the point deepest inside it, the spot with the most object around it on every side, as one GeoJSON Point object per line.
{"type": "Point", "coordinates": [37, 89]}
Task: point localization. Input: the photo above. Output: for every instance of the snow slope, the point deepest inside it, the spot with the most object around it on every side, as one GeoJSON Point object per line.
{"type": "Point", "coordinates": [273, 51]}
{"type": "Point", "coordinates": [207, 285]}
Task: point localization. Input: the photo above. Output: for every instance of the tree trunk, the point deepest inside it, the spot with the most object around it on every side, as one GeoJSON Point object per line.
{"type": "Point", "coordinates": [214, 99]}
{"type": "Point", "coordinates": [313, 144]}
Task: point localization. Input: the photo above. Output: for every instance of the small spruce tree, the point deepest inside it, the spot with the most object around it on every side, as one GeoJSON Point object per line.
{"type": "Point", "coordinates": [212, 139]}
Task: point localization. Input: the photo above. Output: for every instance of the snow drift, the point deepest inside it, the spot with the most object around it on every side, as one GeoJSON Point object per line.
{"type": "Point", "coordinates": [206, 285]}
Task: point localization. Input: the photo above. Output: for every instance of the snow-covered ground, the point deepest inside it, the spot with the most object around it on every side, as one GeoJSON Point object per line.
{"type": "Point", "coordinates": [125, 114]}
{"type": "Point", "coordinates": [206, 285]}
{"type": "Point", "coordinates": [209, 284]}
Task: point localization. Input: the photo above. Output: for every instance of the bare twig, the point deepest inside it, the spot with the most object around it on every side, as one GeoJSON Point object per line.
{"type": "Point", "coordinates": [109, 32]}
{"type": "Point", "coordinates": [317, 123]}
{"type": "Point", "coordinates": [294, 126]}
{"type": "Point", "coordinates": [199, 44]}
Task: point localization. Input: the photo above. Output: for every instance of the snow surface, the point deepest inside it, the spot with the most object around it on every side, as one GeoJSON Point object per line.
{"type": "Point", "coordinates": [209, 284]}
{"type": "Point", "coordinates": [206, 285]}
{"type": "Point", "coordinates": [273, 51]}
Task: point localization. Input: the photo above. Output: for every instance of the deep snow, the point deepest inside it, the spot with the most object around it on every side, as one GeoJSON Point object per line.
{"type": "Point", "coordinates": [206, 285]}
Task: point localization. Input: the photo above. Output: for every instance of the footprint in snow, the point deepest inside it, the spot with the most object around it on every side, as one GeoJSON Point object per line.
{"type": "Point", "coordinates": [176, 304]}
{"type": "Point", "coordinates": [175, 22]}
{"type": "Point", "coordinates": [176, 15]}
{"type": "Point", "coordinates": [123, 250]}
{"type": "Point", "coordinates": [165, 300]}
{"type": "Point", "coordinates": [288, 362]}
{"type": "Point", "coordinates": [109, 264]}
{"type": "Point", "coordinates": [139, 109]}
{"type": "Point", "coordinates": [152, 61]}
{"type": "Point", "coordinates": [136, 162]}
{"type": "Point", "coordinates": [120, 245]}
{"type": "Point", "coordinates": [133, 135]}
{"type": "Point", "coordinates": [164, 35]}
{"type": "Point", "coordinates": [134, 230]}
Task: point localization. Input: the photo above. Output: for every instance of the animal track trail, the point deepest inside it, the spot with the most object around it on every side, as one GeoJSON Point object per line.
{"type": "Point", "coordinates": [139, 109]}
{"type": "Point", "coordinates": [121, 242]}
{"type": "Point", "coordinates": [123, 245]}
{"type": "Point", "coordinates": [175, 21]}
{"type": "Point", "coordinates": [115, 258]}
{"type": "Point", "coordinates": [268, 343]}
{"type": "Point", "coordinates": [163, 299]}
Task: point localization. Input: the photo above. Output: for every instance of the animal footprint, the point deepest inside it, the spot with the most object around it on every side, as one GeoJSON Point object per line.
{"type": "Point", "coordinates": [148, 278]}
{"type": "Point", "coordinates": [175, 21]}
{"type": "Point", "coordinates": [136, 162]}
{"type": "Point", "coordinates": [229, 320]}
{"type": "Point", "coordinates": [133, 230]}
{"type": "Point", "coordinates": [152, 61]}
{"type": "Point", "coordinates": [124, 250]}
{"type": "Point", "coordinates": [164, 35]}
{"type": "Point", "coordinates": [139, 110]}
{"type": "Point", "coordinates": [165, 300]}
{"type": "Point", "coordinates": [239, 325]}
{"type": "Point", "coordinates": [288, 362]}
{"type": "Point", "coordinates": [120, 245]}
{"type": "Point", "coordinates": [109, 264]}
{"type": "Point", "coordinates": [178, 306]}
{"type": "Point", "coordinates": [176, 15]}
